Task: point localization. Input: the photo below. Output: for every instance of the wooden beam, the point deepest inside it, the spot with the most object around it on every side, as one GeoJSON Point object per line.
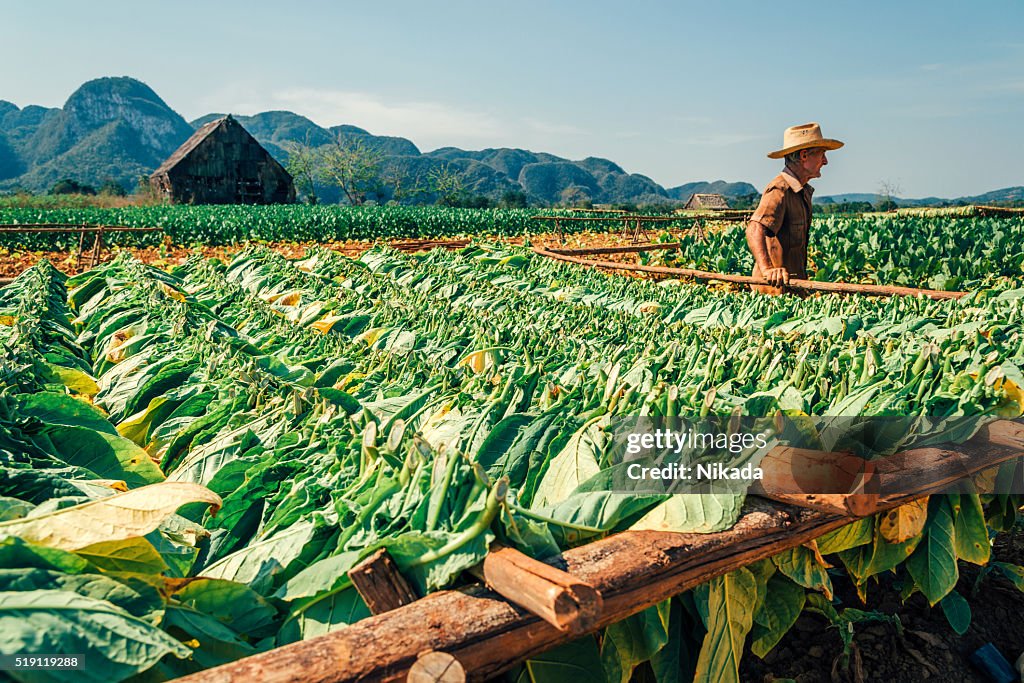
{"type": "Point", "coordinates": [632, 571]}
{"type": "Point", "coordinates": [632, 249]}
{"type": "Point", "coordinates": [379, 583]}
{"type": "Point", "coordinates": [808, 285]}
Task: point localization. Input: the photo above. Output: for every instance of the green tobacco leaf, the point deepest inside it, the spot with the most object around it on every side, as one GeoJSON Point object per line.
{"type": "Point", "coordinates": [957, 611]}
{"type": "Point", "coordinates": [136, 597]}
{"type": "Point", "coordinates": [75, 380]}
{"type": "Point", "coordinates": [800, 565]}
{"type": "Point", "coordinates": [115, 644]}
{"type": "Point", "coordinates": [971, 533]}
{"type": "Point", "coordinates": [845, 537]}
{"type": "Point", "coordinates": [933, 565]}
{"type": "Point", "coordinates": [323, 616]}
{"type": "Point", "coordinates": [701, 513]}
{"type": "Point", "coordinates": [323, 575]}
{"type": "Point", "coordinates": [577, 462]}
{"type": "Point", "coordinates": [61, 409]}
{"type": "Point", "coordinates": [258, 564]}
{"type": "Point", "coordinates": [634, 640]}
{"type": "Point", "coordinates": [16, 553]}
{"type": "Point", "coordinates": [217, 643]}
{"type": "Point", "coordinates": [108, 456]}
{"type": "Point", "coordinates": [1013, 572]}
{"type": "Point", "coordinates": [782, 605]}
{"type": "Point", "coordinates": [235, 604]}
{"type": "Point", "coordinates": [573, 662]}
{"type": "Point", "coordinates": [130, 555]}
{"type": "Point", "coordinates": [731, 606]}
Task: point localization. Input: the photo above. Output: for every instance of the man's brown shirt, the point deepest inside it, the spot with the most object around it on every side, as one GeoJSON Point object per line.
{"type": "Point", "coordinates": [785, 213]}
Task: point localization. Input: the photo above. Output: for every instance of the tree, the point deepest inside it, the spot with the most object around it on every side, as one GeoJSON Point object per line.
{"type": "Point", "coordinates": [304, 165]}
{"type": "Point", "coordinates": [112, 188]}
{"type": "Point", "coordinates": [576, 196]}
{"type": "Point", "coordinates": [69, 186]}
{"type": "Point", "coordinates": [353, 166]}
{"type": "Point", "coordinates": [513, 199]}
{"type": "Point", "coordinates": [403, 183]}
{"type": "Point", "coordinates": [447, 182]}
{"type": "Point", "coordinates": [887, 189]}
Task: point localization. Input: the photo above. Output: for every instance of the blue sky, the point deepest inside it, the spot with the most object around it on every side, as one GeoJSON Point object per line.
{"type": "Point", "coordinates": [928, 96]}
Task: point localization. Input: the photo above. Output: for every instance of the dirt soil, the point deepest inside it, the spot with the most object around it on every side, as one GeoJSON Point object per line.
{"type": "Point", "coordinates": [928, 650]}
{"type": "Point", "coordinates": [14, 261]}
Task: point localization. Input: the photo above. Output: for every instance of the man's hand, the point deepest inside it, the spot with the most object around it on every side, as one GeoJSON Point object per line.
{"type": "Point", "coordinates": [777, 277]}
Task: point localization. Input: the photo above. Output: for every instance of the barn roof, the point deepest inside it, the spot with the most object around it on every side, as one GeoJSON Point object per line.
{"type": "Point", "coordinates": [186, 148]}
{"type": "Point", "coordinates": [708, 201]}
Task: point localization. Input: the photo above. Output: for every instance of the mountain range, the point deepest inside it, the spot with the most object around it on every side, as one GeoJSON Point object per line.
{"type": "Point", "coordinates": [118, 129]}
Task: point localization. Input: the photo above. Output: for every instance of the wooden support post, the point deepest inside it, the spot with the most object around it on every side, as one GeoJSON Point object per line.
{"type": "Point", "coordinates": [562, 600]}
{"type": "Point", "coordinates": [436, 667]}
{"type": "Point", "coordinates": [380, 584]}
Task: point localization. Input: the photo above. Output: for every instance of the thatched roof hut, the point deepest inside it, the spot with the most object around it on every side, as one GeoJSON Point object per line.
{"type": "Point", "coordinates": [223, 164]}
{"type": "Point", "coordinates": [715, 202]}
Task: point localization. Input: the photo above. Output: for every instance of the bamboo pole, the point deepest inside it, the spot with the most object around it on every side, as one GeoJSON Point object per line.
{"type": "Point", "coordinates": [808, 285]}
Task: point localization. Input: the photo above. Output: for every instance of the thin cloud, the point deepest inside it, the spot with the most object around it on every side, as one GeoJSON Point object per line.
{"type": "Point", "coordinates": [549, 128]}
{"type": "Point", "coordinates": [720, 139]}
{"type": "Point", "coordinates": [424, 122]}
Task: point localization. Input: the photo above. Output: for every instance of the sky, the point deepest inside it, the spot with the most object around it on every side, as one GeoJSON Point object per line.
{"type": "Point", "coordinates": [927, 96]}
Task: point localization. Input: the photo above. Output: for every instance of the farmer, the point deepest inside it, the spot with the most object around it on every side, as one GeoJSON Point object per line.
{"type": "Point", "coordinates": [777, 232]}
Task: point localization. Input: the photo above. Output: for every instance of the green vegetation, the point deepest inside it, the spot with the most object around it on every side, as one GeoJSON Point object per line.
{"type": "Point", "coordinates": [937, 252]}
{"type": "Point", "coordinates": [431, 404]}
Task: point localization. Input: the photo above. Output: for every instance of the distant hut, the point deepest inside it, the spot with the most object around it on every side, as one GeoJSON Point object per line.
{"type": "Point", "coordinates": [222, 164]}
{"type": "Point", "coordinates": [714, 202]}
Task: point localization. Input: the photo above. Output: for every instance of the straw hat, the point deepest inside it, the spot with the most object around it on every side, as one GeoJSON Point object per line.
{"type": "Point", "coordinates": [803, 137]}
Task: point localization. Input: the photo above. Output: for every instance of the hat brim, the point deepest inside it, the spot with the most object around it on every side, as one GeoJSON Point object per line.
{"type": "Point", "coordinates": [827, 143]}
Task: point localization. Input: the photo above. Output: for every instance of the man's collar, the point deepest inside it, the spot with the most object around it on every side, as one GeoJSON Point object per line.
{"type": "Point", "coordinates": [793, 182]}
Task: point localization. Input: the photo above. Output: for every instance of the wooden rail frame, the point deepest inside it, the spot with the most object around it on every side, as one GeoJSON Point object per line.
{"type": "Point", "coordinates": [631, 571]}
{"type": "Point", "coordinates": [81, 229]}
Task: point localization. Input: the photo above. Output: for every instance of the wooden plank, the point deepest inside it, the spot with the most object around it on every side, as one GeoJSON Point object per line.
{"type": "Point", "coordinates": [559, 598]}
{"type": "Point", "coordinates": [838, 483]}
{"type": "Point", "coordinates": [379, 583]}
{"type": "Point", "coordinates": [808, 285]}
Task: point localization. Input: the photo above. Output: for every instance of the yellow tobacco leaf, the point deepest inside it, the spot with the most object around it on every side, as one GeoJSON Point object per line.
{"type": "Point", "coordinates": [171, 292]}
{"type": "Point", "coordinates": [117, 517]}
{"type": "Point", "coordinates": [905, 522]}
{"type": "Point", "coordinates": [324, 325]}
{"type": "Point", "coordinates": [285, 298]}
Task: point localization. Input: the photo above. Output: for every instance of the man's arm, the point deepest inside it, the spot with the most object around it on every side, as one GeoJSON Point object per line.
{"type": "Point", "coordinates": [776, 277]}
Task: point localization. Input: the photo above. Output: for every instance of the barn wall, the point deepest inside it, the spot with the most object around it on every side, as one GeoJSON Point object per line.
{"type": "Point", "coordinates": [229, 167]}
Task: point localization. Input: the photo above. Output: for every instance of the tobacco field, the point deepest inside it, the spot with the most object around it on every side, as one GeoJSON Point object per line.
{"type": "Point", "coordinates": [190, 461]}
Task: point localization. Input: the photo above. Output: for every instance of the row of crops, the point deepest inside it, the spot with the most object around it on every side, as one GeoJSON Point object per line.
{"type": "Point", "coordinates": [192, 461]}
{"type": "Point", "coordinates": [928, 252]}
{"type": "Point", "coordinates": [937, 252]}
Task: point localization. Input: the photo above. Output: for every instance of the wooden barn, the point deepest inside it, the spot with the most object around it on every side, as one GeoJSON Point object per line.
{"type": "Point", "coordinates": [223, 164]}
{"type": "Point", "coordinates": [715, 202]}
